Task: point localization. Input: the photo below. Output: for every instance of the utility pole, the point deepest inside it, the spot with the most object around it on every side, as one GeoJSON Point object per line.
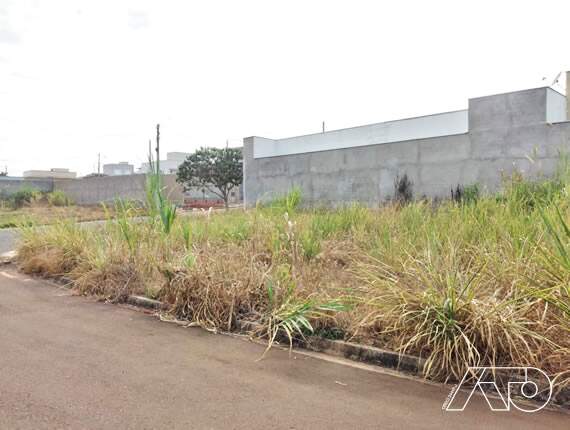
{"type": "Point", "coordinates": [323, 126]}
{"type": "Point", "coordinates": [98, 164]}
{"type": "Point", "coordinates": [157, 149]}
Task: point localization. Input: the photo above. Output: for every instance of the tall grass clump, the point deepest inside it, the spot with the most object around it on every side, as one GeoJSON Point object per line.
{"type": "Point", "coordinates": [124, 213]}
{"type": "Point", "coordinates": [288, 202]}
{"type": "Point", "coordinates": [450, 312]}
{"type": "Point", "coordinates": [54, 250]}
{"type": "Point", "coordinates": [557, 264]}
{"type": "Point", "coordinates": [58, 198]}
{"type": "Point", "coordinates": [158, 205]}
{"type": "Point", "coordinates": [529, 195]}
{"type": "Point", "coordinates": [290, 315]}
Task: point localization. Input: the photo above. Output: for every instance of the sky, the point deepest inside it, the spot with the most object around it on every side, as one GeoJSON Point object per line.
{"type": "Point", "coordinates": [78, 77]}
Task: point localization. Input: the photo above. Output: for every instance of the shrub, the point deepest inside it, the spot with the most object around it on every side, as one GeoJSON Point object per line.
{"type": "Point", "coordinates": [22, 197]}
{"type": "Point", "coordinates": [58, 198]}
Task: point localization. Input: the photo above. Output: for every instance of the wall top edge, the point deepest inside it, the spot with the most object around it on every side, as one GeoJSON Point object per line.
{"type": "Point", "coordinates": [515, 92]}
{"type": "Point", "coordinates": [362, 125]}
{"type": "Point", "coordinates": [421, 139]}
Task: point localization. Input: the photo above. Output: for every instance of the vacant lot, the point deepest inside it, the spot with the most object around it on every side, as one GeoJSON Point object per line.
{"type": "Point", "coordinates": [479, 280]}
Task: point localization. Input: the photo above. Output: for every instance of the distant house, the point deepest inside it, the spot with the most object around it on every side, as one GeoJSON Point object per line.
{"type": "Point", "coordinates": [51, 173]}
{"type": "Point", "coordinates": [118, 169]}
{"type": "Point", "coordinates": [168, 166]}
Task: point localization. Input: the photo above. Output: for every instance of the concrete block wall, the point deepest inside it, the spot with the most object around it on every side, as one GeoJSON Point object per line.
{"type": "Point", "coordinates": [10, 185]}
{"type": "Point", "coordinates": [505, 132]}
{"type": "Point", "coordinates": [95, 190]}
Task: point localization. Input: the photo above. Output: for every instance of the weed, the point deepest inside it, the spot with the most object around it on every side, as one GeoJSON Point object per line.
{"type": "Point", "coordinates": [403, 189]}
{"type": "Point", "coordinates": [310, 244]}
{"type": "Point", "coordinates": [157, 203]}
{"type": "Point", "coordinates": [58, 198]}
{"type": "Point", "coordinates": [124, 213]}
{"type": "Point", "coordinates": [465, 194]}
{"type": "Point", "coordinates": [287, 203]}
{"type": "Point", "coordinates": [291, 315]}
{"type": "Point", "coordinates": [187, 235]}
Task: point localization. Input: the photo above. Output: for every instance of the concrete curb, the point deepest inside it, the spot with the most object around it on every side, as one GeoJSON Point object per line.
{"type": "Point", "coordinates": [367, 354]}
{"type": "Point", "coordinates": [353, 351]}
{"type": "Point", "coordinates": [147, 303]}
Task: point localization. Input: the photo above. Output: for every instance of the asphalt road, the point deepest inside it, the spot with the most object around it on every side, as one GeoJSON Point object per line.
{"type": "Point", "coordinates": [70, 362]}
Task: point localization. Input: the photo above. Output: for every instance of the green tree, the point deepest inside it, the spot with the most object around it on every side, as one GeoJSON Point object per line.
{"type": "Point", "coordinates": [214, 169]}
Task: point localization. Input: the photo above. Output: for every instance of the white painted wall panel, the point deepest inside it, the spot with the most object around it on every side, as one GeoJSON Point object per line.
{"type": "Point", "coordinates": [443, 124]}
{"type": "Point", "coordinates": [555, 106]}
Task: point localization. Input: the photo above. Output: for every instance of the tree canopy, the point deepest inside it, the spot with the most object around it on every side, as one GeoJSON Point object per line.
{"type": "Point", "coordinates": [217, 170]}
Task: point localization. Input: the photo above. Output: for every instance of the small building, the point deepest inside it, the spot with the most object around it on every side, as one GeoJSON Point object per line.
{"type": "Point", "coordinates": [55, 173]}
{"type": "Point", "coordinates": [118, 169]}
{"type": "Point", "coordinates": [168, 166]}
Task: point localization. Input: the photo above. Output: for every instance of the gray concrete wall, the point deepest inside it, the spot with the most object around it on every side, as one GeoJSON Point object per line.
{"type": "Point", "coordinates": [94, 190]}
{"type": "Point", "coordinates": [106, 189]}
{"type": "Point", "coordinates": [506, 132]}
{"type": "Point", "coordinates": [9, 185]}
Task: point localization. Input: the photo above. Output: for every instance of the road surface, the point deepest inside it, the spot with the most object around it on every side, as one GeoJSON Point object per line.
{"type": "Point", "coordinates": [70, 362]}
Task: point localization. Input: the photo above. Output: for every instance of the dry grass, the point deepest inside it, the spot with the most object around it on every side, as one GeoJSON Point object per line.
{"type": "Point", "coordinates": [49, 262]}
{"type": "Point", "coordinates": [217, 287]}
{"type": "Point", "coordinates": [113, 282]}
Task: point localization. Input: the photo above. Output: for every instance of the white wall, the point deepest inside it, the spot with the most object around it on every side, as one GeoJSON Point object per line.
{"type": "Point", "coordinates": [443, 124]}
{"type": "Point", "coordinates": [555, 106]}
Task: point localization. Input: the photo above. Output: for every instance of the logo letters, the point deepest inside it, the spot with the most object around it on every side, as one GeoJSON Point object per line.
{"type": "Point", "coordinates": [521, 383]}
